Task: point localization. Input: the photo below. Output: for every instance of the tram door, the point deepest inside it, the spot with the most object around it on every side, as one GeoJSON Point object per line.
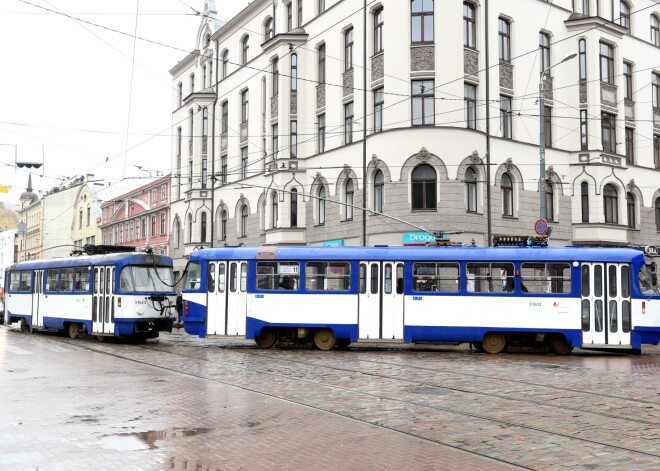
{"type": "Point", "coordinates": [103, 306]}
{"type": "Point", "coordinates": [605, 304]}
{"type": "Point", "coordinates": [37, 296]}
{"type": "Point", "coordinates": [216, 302]}
{"type": "Point", "coordinates": [237, 298]}
{"type": "Point", "coordinates": [380, 300]}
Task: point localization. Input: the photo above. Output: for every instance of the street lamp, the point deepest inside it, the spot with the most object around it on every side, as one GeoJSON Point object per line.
{"type": "Point", "coordinates": [542, 188]}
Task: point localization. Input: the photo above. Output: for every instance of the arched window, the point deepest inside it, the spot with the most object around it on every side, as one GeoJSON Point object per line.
{"type": "Point", "coordinates": [549, 201]}
{"type": "Point", "coordinates": [275, 209]}
{"type": "Point", "coordinates": [655, 30]}
{"type": "Point", "coordinates": [657, 214]}
{"type": "Point", "coordinates": [611, 204]}
{"type": "Point", "coordinates": [630, 204]}
{"type": "Point", "coordinates": [294, 208]}
{"type": "Point", "coordinates": [190, 228]}
{"type": "Point", "coordinates": [244, 221]}
{"type": "Point", "coordinates": [379, 183]}
{"type": "Point", "coordinates": [225, 62]}
{"type": "Point", "coordinates": [624, 14]}
{"type": "Point", "coordinates": [350, 193]}
{"type": "Point", "coordinates": [245, 50]}
{"type": "Point", "coordinates": [294, 72]}
{"type": "Point", "coordinates": [507, 195]}
{"type": "Point", "coordinates": [223, 225]}
{"type": "Point", "coordinates": [268, 29]}
{"type": "Point", "coordinates": [471, 189]}
{"type": "Point", "coordinates": [177, 234]}
{"type": "Point", "coordinates": [207, 40]}
{"type": "Point", "coordinates": [321, 202]}
{"type": "Point", "coordinates": [584, 194]}
{"type": "Point", "coordinates": [424, 187]}
{"type": "Point", "coordinates": [202, 237]}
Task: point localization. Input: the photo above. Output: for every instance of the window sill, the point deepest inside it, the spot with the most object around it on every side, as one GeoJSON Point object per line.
{"type": "Point", "coordinates": [424, 210]}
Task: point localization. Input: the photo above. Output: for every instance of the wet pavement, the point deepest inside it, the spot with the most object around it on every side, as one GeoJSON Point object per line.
{"type": "Point", "coordinates": [183, 403]}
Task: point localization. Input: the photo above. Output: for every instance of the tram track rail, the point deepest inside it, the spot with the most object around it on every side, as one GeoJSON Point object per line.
{"type": "Point", "coordinates": [404, 402]}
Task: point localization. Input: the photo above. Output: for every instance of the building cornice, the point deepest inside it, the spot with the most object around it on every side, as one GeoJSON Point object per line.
{"type": "Point", "coordinates": [185, 63]}
{"type": "Point", "coordinates": [579, 23]}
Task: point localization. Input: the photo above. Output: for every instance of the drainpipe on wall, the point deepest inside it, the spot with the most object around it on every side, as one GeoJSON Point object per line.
{"type": "Point", "coordinates": [488, 202]}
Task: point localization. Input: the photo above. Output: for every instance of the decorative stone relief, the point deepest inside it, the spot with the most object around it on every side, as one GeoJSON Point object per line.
{"type": "Point", "coordinates": [629, 106]}
{"type": "Point", "coordinates": [320, 96]}
{"type": "Point", "coordinates": [377, 67]}
{"type": "Point", "coordinates": [475, 159]}
{"type": "Point", "coordinates": [631, 184]}
{"type": "Point", "coordinates": [608, 95]}
{"type": "Point", "coordinates": [470, 61]}
{"type": "Point", "coordinates": [244, 132]}
{"type": "Point", "coordinates": [423, 154]}
{"type": "Point", "coordinates": [550, 173]}
{"type": "Point", "coordinates": [583, 92]}
{"type": "Point", "coordinates": [506, 75]}
{"type": "Point", "coordinates": [583, 158]}
{"type": "Point", "coordinates": [422, 58]}
{"type": "Point", "coordinates": [347, 81]}
{"type": "Point", "coordinates": [509, 164]}
{"type": "Point", "coordinates": [610, 159]}
{"type": "Point", "coordinates": [294, 103]}
{"type": "Point", "coordinates": [548, 88]}
{"type": "Point", "coordinates": [656, 117]}
{"type": "Point", "coordinates": [273, 107]}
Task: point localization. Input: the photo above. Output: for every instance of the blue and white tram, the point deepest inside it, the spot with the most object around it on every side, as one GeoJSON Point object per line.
{"type": "Point", "coordinates": [117, 294]}
{"type": "Point", "coordinates": [495, 298]}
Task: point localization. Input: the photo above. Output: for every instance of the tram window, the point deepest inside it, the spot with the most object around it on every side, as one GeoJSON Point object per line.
{"type": "Point", "coordinates": [19, 281]}
{"type": "Point", "coordinates": [439, 277]}
{"type": "Point", "coordinates": [108, 286]}
{"type": "Point", "coordinates": [585, 281]}
{"type": "Point", "coordinates": [96, 280]}
{"type": "Point", "coordinates": [193, 276]}
{"type": "Point", "coordinates": [283, 276]}
{"type": "Point", "coordinates": [613, 315]}
{"type": "Point", "coordinates": [625, 281]}
{"type": "Point", "coordinates": [232, 277]}
{"type": "Point", "coordinates": [82, 279]}
{"type": "Point", "coordinates": [374, 279]}
{"type": "Point", "coordinates": [101, 281]}
{"type": "Point", "coordinates": [66, 280]}
{"type": "Point", "coordinates": [645, 281]}
{"type": "Point", "coordinates": [490, 277]}
{"type": "Point", "coordinates": [625, 317]}
{"type": "Point", "coordinates": [210, 279]}
{"type": "Point", "coordinates": [125, 281]}
{"type": "Point", "coordinates": [598, 282]}
{"type": "Point", "coordinates": [362, 288]}
{"type": "Point", "coordinates": [586, 315]}
{"type": "Point", "coordinates": [243, 277]}
{"type": "Point", "coordinates": [328, 276]}
{"type": "Point", "coordinates": [387, 275]}
{"type": "Point", "coordinates": [222, 278]}
{"type": "Point", "coordinates": [141, 279]}
{"type": "Point", "coordinates": [399, 278]}
{"type": "Point", "coordinates": [52, 279]}
{"type": "Point", "coordinates": [612, 280]}
{"type": "Point", "coordinates": [598, 315]}
{"type": "Point", "coordinates": [539, 277]}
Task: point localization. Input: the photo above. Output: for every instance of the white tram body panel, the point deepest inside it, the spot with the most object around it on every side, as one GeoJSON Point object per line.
{"type": "Point", "coordinates": [298, 309]}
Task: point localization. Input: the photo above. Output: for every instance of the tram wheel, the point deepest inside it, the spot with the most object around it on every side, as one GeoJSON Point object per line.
{"type": "Point", "coordinates": [73, 330]}
{"type": "Point", "coordinates": [343, 343]}
{"type": "Point", "coordinates": [267, 338]}
{"type": "Point", "coordinates": [100, 338]}
{"type": "Point", "coordinates": [559, 345]}
{"type": "Point", "coordinates": [24, 326]}
{"type": "Point", "coordinates": [494, 342]}
{"type": "Point", "coordinates": [324, 339]}
{"type": "Point", "coordinates": [479, 346]}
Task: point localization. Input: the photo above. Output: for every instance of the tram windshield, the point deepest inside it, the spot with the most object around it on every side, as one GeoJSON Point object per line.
{"type": "Point", "coordinates": [139, 279]}
{"type": "Point", "coordinates": [646, 281]}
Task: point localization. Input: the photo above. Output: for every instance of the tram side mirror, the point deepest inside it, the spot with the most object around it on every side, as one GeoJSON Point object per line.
{"type": "Point", "coordinates": [654, 279]}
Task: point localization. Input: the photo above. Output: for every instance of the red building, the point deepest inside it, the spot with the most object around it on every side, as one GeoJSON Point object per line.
{"type": "Point", "coordinates": [139, 218]}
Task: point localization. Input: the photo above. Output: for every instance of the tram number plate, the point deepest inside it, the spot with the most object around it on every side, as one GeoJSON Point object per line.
{"type": "Point", "coordinates": [258, 296]}
{"type": "Point", "coordinates": [535, 304]}
{"type": "Point", "coordinates": [417, 298]}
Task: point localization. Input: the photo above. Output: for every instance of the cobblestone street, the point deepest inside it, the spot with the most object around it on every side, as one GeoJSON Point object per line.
{"type": "Point", "coordinates": [183, 403]}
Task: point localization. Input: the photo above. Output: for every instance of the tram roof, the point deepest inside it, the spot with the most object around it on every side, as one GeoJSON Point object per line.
{"type": "Point", "coordinates": [566, 254]}
{"type": "Point", "coordinates": [120, 259]}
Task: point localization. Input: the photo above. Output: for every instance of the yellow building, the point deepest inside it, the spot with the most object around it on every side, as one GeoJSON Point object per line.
{"type": "Point", "coordinates": [30, 233]}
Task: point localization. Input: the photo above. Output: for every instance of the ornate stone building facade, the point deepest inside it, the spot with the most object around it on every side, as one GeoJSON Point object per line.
{"type": "Point", "coordinates": [285, 127]}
